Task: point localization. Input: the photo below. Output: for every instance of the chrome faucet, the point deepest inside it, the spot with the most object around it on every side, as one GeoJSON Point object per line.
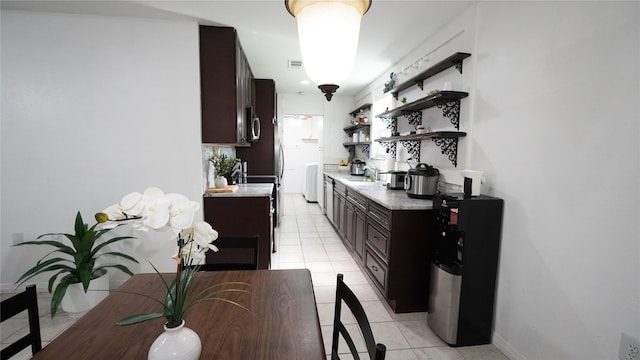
{"type": "Point", "coordinates": [373, 170]}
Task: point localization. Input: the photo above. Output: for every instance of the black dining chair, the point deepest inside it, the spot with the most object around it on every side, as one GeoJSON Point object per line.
{"type": "Point", "coordinates": [375, 350]}
{"type": "Point", "coordinates": [235, 253]}
{"type": "Point", "coordinates": [26, 300]}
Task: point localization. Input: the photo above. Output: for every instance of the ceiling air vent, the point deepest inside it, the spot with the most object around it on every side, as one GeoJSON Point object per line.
{"type": "Point", "coordinates": [295, 64]}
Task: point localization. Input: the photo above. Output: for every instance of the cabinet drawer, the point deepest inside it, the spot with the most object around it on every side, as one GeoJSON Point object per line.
{"type": "Point", "coordinates": [340, 188]}
{"type": "Point", "coordinates": [381, 215]}
{"type": "Point", "coordinates": [358, 200]}
{"type": "Point", "coordinates": [378, 239]}
{"type": "Point", "coordinates": [377, 270]}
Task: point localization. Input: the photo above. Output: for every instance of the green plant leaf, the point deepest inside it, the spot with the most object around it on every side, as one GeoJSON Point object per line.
{"type": "Point", "coordinates": [115, 239]}
{"type": "Point", "coordinates": [80, 227]}
{"type": "Point", "coordinates": [52, 280]}
{"type": "Point", "coordinates": [117, 266]}
{"type": "Point", "coordinates": [117, 253]}
{"type": "Point", "coordinates": [59, 292]}
{"type": "Point", "coordinates": [138, 318]}
{"type": "Point", "coordinates": [41, 267]}
{"type": "Point", "coordinates": [85, 272]}
{"type": "Point", "coordinates": [61, 246]}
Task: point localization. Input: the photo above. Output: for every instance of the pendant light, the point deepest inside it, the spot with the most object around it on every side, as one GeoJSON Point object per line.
{"type": "Point", "coordinates": [328, 31]}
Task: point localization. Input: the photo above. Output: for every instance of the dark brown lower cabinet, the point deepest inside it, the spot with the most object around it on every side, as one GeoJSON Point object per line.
{"type": "Point", "coordinates": [349, 231]}
{"type": "Point", "coordinates": [393, 247]}
{"type": "Point", "coordinates": [339, 208]}
{"type": "Point", "coordinates": [243, 216]}
{"type": "Point", "coordinates": [355, 225]}
{"type": "Point", "coordinates": [359, 222]}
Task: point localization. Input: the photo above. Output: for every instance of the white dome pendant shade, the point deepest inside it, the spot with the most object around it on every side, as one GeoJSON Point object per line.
{"type": "Point", "coordinates": [328, 31]}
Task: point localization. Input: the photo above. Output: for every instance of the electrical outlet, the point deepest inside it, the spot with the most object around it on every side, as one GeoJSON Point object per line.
{"type": "Point", "coordinates": [629, 348]}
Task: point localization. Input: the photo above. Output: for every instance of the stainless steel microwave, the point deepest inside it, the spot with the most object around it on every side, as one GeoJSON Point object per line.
{"type": "Point", "coordinates": [253, 125]}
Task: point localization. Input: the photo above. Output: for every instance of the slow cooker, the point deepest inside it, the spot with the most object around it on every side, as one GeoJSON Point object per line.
{"type": "Point", "coordinates": [396, 180]}
{"type": "Point", "coordinates": [421, 182]}
{"type": "Point", "coordinates": [357, 167]}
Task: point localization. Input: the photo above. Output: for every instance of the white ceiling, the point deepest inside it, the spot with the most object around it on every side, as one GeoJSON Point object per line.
{"type": "Point", "coordinates": [268, 33]}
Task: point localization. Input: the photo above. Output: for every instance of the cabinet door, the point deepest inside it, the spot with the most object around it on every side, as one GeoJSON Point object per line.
{"type": "Point", "coordinates": [349, 231]}
{"type": "Point", "coordinates": [241, 89]}
{"type": "Point", "coordinates": [339, 213]}
{"type": "Point", "coordinates": [359, 234]}
{"type": "Point", "coordinates": [336, 211]}
{"type": "Point", "coordinates": [342, 219]}
{"type": "Point", "coordinates": [218, 84]}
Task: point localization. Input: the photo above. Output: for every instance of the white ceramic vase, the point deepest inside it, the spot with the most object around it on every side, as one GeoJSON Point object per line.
{"type": "Point", "coordinates": [178, 343]}
{"type": "Point", "coordinates": [221, 182]}
{"type": "Point", "coordinates": [76, 302]}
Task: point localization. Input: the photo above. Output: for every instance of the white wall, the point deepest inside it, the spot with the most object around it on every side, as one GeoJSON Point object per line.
{"type": "Point", "coordinates": [94, 108]}
{"type": "Point", "coordinates": [553, 120]}
{"type": "Point", "coordinates": [556, 124]}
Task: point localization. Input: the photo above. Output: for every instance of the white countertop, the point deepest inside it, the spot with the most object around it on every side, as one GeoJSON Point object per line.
{"type": "Point", "coordinates": [378, 192]}
{"type": "Point", "coordinates": [246, 190]}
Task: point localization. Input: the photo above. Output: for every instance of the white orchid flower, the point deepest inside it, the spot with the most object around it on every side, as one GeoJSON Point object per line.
{"type": "Point", "coordinates": [204, 235]}
{"type": "Point", "coordinates": [191, 255]}
{"type": "Point", "coordinates": [131, 205]}
{"type": "Point", "coordinates": [113, 212]}
{"type": "Point", "coordinates": [156, 214]}
{"type": "Point", "coordinates": [151, 194]}
{"type": "Point", "coordinates": [182, 211]}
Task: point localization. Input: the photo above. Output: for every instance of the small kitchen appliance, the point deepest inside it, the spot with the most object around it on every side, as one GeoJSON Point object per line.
{"type": "Point", "coordinates": [421, 182]}
{"type": "Point", "coordinates": [357, 167]}
{"type": "Point", "coordinates": [475, 178]}
{"type": "Point", "coordinates": [396, 180]}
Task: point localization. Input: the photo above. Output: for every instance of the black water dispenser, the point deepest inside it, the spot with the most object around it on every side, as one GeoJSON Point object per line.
{"type": "Point", "coordinates": [464, 268]}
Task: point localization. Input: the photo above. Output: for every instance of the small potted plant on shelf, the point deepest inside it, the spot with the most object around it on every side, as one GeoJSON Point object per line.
{"type": "Point", "coordinates": [75, 265]}
{"type": "Point", "coordinates": [223, 166]}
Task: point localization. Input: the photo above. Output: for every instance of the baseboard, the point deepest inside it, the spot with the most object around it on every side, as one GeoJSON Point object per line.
{"type": "Point", "coordinates": [506, 348]}
{"type": "Point", "coordinates": [42, 286]}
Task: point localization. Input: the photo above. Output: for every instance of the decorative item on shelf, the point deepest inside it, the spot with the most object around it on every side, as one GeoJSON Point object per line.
{"type": "Point", "coordinates": [361, 117]}
{"type": "Point", "coordinates": [404, 100]}
{"type": "Point", "coordinates": [77, 269]}
{"type": "Point", "coordinates": [390, 84]}
{"type": "Point", "coordinates": [328, 47]}
{"type": "Point", "coordinates": [223, 166]}
{"type": "Point", "coordinates": [156, 211]}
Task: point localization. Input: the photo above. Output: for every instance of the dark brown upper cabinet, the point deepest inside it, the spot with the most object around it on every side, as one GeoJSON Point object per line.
{"type": "Point", "coordinates": [226, 83]}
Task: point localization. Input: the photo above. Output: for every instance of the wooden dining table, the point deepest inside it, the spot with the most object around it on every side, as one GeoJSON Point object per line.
{"type": "Point", "coordinates": [282, 322]}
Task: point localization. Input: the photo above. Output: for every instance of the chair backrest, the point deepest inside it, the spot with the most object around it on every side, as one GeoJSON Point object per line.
{"type": "Point", "coordinates": [343, 293]}
{"type": "Point", "coordinates": [235, 253]}
{"type": "Point", "coordinates": [26, 300]}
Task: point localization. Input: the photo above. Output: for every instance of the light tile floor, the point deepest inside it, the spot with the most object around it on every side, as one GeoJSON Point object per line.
{"type": "Point", "coordinates": [307, 239]}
